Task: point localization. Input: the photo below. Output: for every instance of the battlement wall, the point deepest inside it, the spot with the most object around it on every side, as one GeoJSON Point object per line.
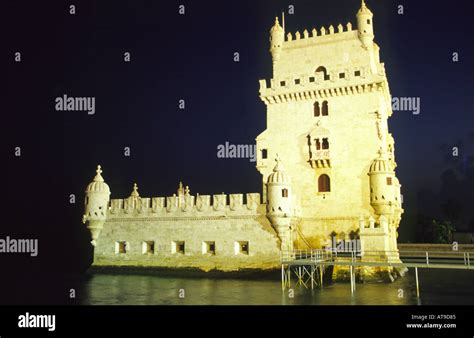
{"type": "Point", "coordinates": [188, 205]}
{"type": "Point", "coordinates": [323, 36]}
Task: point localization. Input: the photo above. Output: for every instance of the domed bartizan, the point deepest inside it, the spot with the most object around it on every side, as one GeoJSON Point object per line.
{"type": "Point", "coordinates": [96, 204]}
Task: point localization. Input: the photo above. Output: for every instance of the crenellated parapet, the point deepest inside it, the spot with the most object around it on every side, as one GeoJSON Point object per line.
{"type": "Point", "coordinates": [322, 35]}
{"type": "Point", "coordinates": [185, 205]}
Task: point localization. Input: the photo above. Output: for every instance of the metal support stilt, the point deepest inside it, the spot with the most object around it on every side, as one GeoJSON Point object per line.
{"type": "Point", "coordinates": [283, 282]}
{"type": "Point", "coordinates": [289, 277]}
{"type": "Point", "coordinates": [352, 280]}
{"type": "Point", "coordinates": [321, 275]}
{"type": "Point", "coordinates": [312, 277]}
{"type": "Point", "coordinates": [417, 284]}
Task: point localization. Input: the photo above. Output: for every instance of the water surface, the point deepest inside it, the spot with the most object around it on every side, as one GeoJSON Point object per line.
{"type": "Point", "coordinates": [440, 287]}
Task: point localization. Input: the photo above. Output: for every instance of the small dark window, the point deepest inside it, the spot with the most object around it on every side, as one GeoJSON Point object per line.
{"type": "Point", "coordinates": [209, 248]}
{"type": "Point", "coordinates": [368, 21]}
{"type": "Point", "coordinates": [282, 83]}
{"type": "Point", "coordinates": [357, 73]}
{"type": "Point", "coordinates": [342, 75]}
{"type": "Point", "coordinates": [316, 109]}
{"type": "Point", "coordinates": [264, 153]}
{"type": "Point", "coordinates": [311, 79]}
{"type": "Point", "coordinates": [324, 183]}
{"type": "Point", "coordinates": [241, 248]}
{"type": "Point", "coordinates": [297, 81]}
{"type": "Point", "coordinates": [325, 108]}
{"type": "Point", "coordinates": [284, 193]}
{"type": "Point", "coordinates": [325, 143]}
{"type": "Point", "coordinates": [149, 247]}
{"type": "Point", "coordinates": [178, 247]}
{"type": "Point", "coordinates": [87, 200]}
{"type": "Point", "coordinates": [389, 181]}
{"type": "Point", "coordinates": [122, 247]}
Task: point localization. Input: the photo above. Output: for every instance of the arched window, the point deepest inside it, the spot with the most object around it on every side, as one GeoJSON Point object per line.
{"type": "Point", "coordinates": [325, 108]}
{"type": "Point", "coordinates": [323, 70]}
{"type": "Point", "coordinates": [316, 109]}
{"type": "Point", "coordinates": [318, 144]}
{"type": "Point", "coordinates": [284, 193]}
{"type": "Point", "coordinates": [324, 183]}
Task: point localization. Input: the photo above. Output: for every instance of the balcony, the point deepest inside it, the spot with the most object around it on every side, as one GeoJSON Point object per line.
{"type": "Point", "coordinates": [320, 158]}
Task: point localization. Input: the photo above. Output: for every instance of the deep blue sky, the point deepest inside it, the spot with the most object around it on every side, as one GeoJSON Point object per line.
{"type": "Point", "coordinates": [191, 57]}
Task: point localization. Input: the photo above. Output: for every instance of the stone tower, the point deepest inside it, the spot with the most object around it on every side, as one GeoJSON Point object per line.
{"type": "Point", "coordinates": [327, 107]}
{"type": "Point", "coordinates": [96, 205]}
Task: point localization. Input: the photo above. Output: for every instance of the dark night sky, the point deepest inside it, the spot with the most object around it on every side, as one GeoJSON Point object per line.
{"type": "Point", "coordinates": [191, 57]}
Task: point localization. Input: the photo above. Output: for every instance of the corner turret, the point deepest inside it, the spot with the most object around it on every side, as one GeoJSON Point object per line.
{"type": "Point", "coordinates": [96, 204]}
{"type": "Point", "coordinates": [365, 25]}
{"type": "Point", "coordinates": [279, 204]}
{"type": "Point", "coordinates": [277, 37]}
{"type": "Point", "coordinates": [383, 185]}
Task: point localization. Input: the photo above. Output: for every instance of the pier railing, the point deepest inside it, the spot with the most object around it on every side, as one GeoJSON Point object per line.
{"type": "Point", "coordinates": [405, 257]}
{"type": "Point", "coordinates": [309, 265]}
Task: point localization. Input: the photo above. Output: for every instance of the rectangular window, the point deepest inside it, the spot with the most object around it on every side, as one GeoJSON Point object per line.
{"type": "Point", "coordinates": [311, 79]}
{"type": "Point", "coordinates": [148, 247]}
{"type": "Point", "coordinates": [121, 247]}
{"type": "Point", "coordinates": [368, 21]}
{"type": "Point", "coordinates": [389, 181]}
{"type": "Point", "coordinates": [178, 247]}
{"type": "Point", "coordinates": [264, 154]}
{"type": "Point", "coordinates": [284, 193]}
{"type": "Point", "coordinates": [241, 248]}
{"type": "Point", "coordinates": [208, 248]}
{"type": "Point", "coordinates": [357, 73]}
{"type": "Point", "coordinates": [297, 81]}
{"type": "Point", "coordinates": [342, 75]}
{"type": "Point", "coordinates": [282, 83]}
